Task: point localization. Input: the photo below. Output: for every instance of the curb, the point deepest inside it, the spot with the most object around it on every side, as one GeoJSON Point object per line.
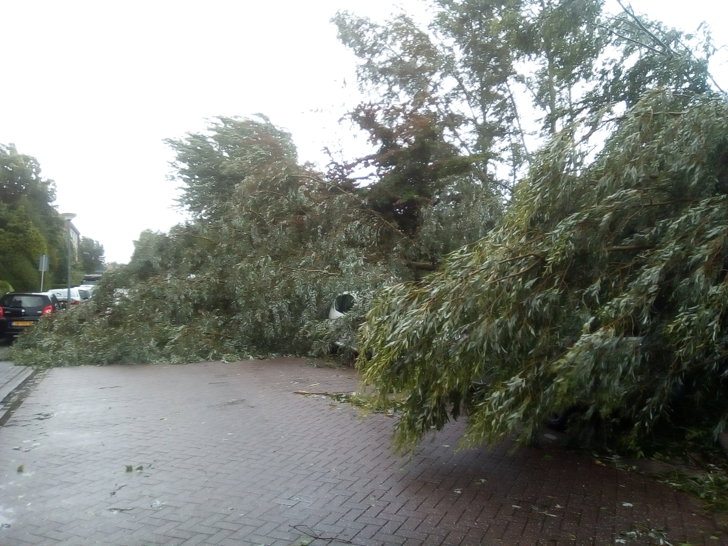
{"type": "Point", "coordinates": [13, 380]}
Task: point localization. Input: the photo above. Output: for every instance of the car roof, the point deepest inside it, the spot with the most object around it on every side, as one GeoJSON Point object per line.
{"type": "Point", "coordinates": [51, 297]}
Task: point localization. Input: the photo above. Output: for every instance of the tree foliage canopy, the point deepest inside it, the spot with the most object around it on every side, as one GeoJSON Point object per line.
{"type": "Point", "coordinates": [497, 73]}
{"type": "Point", "coordinates": [91, 255]}
{"type": "Point", "coordinates": [604, 290]}
{"type": "Point", "coordinates": [566, 306]}
{"type": "Point", "coordinates": [269, 246]}
{"type": "Point", "coordinates": [29, 225]}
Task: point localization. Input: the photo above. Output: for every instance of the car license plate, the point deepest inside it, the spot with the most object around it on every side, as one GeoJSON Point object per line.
{"type": "Point", "coordinates": [23, 323]}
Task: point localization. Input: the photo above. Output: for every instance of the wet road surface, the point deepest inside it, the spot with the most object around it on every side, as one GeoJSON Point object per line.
{"type": "Point", "coordinates": [230, 454]}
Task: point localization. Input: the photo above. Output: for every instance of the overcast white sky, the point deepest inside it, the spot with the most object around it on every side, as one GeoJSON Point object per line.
{"type": "Point", "coordinates": [91, 88]}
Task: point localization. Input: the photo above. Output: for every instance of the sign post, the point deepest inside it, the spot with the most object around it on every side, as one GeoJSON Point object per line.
{"type": "Point", "coordinates": [43, 267]}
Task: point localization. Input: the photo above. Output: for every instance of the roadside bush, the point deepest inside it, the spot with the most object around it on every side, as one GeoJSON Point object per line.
{"type": "Point", "coordinates": [5, 287]}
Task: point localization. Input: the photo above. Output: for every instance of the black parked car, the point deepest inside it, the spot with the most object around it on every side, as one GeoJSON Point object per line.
{"type": "Point", "coordinates": [19, 310]}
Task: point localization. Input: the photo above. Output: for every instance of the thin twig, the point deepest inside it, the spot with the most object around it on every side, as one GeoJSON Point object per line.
{"type": "Point", "coordinates": [516, 274]}
{"type": "Point", "coordinates": [329, 394]}
{"type": "Point", "coordinates": [627, 248]}
{"type": "Point", "coordinates": [313, 535]}
{"type": "Point", "coordinates": [304, 270]}
{"type": "Point", "coordinates": [629, 11]}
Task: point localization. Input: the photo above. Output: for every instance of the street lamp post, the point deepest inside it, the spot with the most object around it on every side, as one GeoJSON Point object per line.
{"type": "Point", "coordinates": [68, 217]}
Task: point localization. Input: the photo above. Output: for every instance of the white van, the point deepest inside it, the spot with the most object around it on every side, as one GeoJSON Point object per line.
{"type": "Point", "coordinates": [62, 295]}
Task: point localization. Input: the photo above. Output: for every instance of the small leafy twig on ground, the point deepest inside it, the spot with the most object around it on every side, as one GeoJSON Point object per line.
{"type": "Point", "coordinates": [359, 400]}
{"type": "Point", "coordinates": [708, 482]}
{"type": "Point", "coordinates": [656, 536]}
{"type": "Point", "coordinates": [709, 486]}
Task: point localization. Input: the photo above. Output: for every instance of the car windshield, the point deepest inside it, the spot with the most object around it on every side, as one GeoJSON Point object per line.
{"type": "Point", "coordinates": [26, 301]}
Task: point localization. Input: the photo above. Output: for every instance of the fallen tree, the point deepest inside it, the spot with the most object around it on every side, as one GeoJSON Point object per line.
{"type": "Point", "coordinates": [602, 297]}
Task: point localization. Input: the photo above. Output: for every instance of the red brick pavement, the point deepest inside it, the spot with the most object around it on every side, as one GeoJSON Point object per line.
{"type": "Point", "coordinates": [228, 454]}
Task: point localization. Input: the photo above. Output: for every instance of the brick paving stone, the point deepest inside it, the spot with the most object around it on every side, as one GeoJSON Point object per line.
{"type": "Point", "coordinates": [229, 454]}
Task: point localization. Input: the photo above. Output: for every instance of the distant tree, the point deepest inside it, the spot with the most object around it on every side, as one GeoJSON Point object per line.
{"type": "Point", "coordinates": [150, 251]}
{"type": "Point", "coordinates": [91, 254]}
{"type": "Point", "coordinates": [21, 245]}
{"type": "Point", "coordinates": [29, 225]}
